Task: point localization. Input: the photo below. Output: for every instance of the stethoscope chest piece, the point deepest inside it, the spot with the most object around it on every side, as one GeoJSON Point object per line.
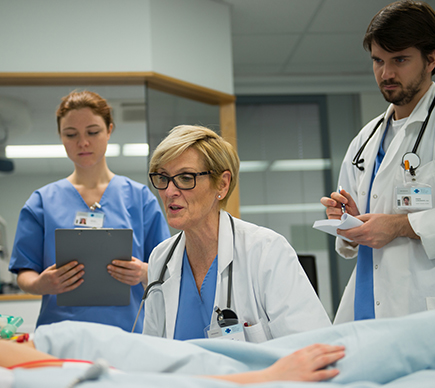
{"type": "Point", "coordinates": [413, 159]}
{"type": "Point", "coordinates": [226, 317]}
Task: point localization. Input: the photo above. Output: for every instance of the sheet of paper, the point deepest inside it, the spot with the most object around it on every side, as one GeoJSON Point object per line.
{"type": "Point", "coordinates": [330, 226]}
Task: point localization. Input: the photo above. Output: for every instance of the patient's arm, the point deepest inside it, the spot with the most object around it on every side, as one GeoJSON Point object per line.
{"type": "Point", "coordinates": [306, 364]}
{"type": "Point", "coordinates": [12, 353]}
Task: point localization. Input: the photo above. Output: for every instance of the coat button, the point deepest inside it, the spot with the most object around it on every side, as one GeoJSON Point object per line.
{"type": "Point", "coordinates": [378, 303]}
{"type": "Point", "coordinates": [375, 196]}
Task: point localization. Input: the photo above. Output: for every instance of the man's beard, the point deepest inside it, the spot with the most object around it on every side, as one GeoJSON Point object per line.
{"type": "Point", "coordinates": [405, 95]}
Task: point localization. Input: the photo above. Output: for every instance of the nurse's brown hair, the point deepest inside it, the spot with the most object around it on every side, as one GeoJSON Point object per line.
{"type": "Point", "coordinates": [85, 99]}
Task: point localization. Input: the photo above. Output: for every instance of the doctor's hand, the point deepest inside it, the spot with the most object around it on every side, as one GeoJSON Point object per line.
{"type": "Point", "coordinates": [379, 229]}
{"type": "Point", "coordinates": [333, 204]}
{"type": "Point", "coordinates": [129, 272]}
{"type": "Point", "coordinates": [52, 280]}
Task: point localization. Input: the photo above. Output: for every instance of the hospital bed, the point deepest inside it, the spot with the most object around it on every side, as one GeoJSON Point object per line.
{"type": "Point", "coordinates": [392, 353]}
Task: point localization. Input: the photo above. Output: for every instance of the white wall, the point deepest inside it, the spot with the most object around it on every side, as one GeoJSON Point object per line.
{"type": "Point", "coordinates": [191, 40]}
{"type": "Point", "coordinates": [75, 36]}
{"type": "Point", "coordinates": [188, 40]}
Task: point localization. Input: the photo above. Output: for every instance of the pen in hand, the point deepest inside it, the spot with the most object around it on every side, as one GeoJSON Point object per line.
{"type": "Point", "coordinates": [343, 206]}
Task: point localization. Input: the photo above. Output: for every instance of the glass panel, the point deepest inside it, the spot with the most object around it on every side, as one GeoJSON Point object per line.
{"type": "Point", "coordinates": [166, 111]}
{"type": "Point", "coordinates": [283, 176]}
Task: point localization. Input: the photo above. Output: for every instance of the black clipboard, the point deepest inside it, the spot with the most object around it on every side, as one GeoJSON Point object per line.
{"type": "Point", "coordinates": [95, 249]}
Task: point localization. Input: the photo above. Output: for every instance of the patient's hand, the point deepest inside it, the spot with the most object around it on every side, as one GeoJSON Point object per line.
{"type": "Point", "coordinates": [306, 364]}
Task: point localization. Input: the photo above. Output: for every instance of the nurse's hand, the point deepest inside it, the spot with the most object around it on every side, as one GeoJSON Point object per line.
{"type": "Point", "coordinates": [380, 229]}
{"type": "Point", "coordinates": [333, 204]}
{"type": "Point", "coordinates": [52, 280]}
{"type": "Point", "coordinates": [129, 272]}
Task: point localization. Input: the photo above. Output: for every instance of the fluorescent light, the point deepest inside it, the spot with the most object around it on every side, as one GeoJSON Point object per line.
{"type": "Point", "coordinates": [301, 165]}
{"type": "Point", "coordinates": [254, 166]}
{"type": "Point", "coordinates": [35, 151]}
{"type": "Point", "coordinates": [113, 150]}
{"type": "Point", "coordinates": [285, 208]}
{"type": "Point", "coordinates": [49, 151]}
{"type": "Point", "coordinates": [135, 149]}
{"type": "Point", "coordinates": [285, 165]}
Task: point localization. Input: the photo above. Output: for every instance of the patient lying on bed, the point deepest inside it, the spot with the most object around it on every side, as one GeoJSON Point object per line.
{"type": "Point", "coordinates": [377, 351]}
{"type": "Point", "coordinates": [306, 364]}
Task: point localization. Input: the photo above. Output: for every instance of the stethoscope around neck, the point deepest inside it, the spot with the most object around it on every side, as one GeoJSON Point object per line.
{"type": "Point", "coordinates": [412, 157]}
{"type": "Point", "coordinates": [226, 316]}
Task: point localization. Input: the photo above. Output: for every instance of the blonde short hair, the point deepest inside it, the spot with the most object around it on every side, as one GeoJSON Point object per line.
{"type": "Point", "coordinates": [218, 154]}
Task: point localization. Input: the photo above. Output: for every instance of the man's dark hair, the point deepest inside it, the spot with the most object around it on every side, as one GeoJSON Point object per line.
{"type": "Point", "coordinates": [402, 25]}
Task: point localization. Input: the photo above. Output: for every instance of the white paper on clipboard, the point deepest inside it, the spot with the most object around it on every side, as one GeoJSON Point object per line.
{"type": "Point", "coordinates": [330, 226]}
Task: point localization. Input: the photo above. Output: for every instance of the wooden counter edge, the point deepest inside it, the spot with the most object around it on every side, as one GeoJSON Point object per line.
{"type": "Point", "coordinates": [18, 297]}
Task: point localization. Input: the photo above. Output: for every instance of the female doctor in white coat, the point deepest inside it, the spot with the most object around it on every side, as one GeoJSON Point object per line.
{"type": "Point", "coordinates": [219, 265]}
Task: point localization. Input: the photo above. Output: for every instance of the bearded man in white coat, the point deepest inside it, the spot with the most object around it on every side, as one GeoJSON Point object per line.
{"type": "Point", "coordinates": [391, 157]}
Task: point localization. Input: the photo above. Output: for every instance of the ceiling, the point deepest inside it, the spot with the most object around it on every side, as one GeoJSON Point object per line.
{"type": "Point", "coordinates": [279, 46]}
{"type": "Point", "coordinates": [302, 45]}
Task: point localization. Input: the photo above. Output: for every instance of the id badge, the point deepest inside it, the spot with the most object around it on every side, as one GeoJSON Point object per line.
{"type": "Point", "coordinates": [89, 220]}
{"type": "Point", "coordinates": [413, 198]}
{"type": "Point", "coordinates": [234, 333]}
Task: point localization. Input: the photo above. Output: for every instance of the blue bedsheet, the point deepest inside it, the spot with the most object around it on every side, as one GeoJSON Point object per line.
{"type": "Point", "coordinates": [393, 353]}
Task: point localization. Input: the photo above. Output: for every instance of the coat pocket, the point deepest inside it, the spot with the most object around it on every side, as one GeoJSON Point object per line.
{"type": "Point", "coordinates": [255, 333]}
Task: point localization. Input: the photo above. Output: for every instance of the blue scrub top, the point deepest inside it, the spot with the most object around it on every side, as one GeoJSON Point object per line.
{"type": "Point", "coordinates": [195, 309]}
{"type": "Point", "coordinates": [125, 204]}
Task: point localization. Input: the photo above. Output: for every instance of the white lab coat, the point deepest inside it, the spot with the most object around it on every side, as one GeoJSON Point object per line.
{"type": "Point", "coordinates": [270, 290]}
{"type": "Point", "coordinates": [403, 270]}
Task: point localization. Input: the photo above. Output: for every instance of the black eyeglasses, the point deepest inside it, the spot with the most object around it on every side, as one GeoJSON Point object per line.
{"type": "Point", "coordinates": [183, 181]}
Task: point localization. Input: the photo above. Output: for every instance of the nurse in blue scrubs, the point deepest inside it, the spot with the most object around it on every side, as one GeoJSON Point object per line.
{"type": "Point", "coordinates": [94, 196]}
